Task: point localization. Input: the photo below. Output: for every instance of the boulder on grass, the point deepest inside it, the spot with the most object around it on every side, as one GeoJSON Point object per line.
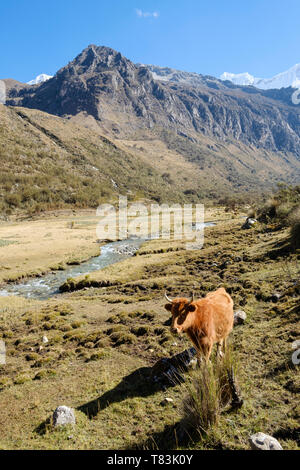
{"type": "Point", "coordinates": [249, 223]}
{"type": "Point", "coordinates": [63, 415]}
{"type": "Point", "coordinates": [239, 317]}
{"type": "Point", "coordinates": [261, 441]}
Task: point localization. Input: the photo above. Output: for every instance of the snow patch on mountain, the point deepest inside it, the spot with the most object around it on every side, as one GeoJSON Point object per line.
{"type": "Point", "coordinates": [40, 79]}
{"type": "Point", "coordinates": [290, 78]}
{"type": "Point", "coordinates": [2, 92]}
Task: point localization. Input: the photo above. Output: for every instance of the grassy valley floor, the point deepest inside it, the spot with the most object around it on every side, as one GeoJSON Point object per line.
{"type": "Point", "coordinates": [103, 342]}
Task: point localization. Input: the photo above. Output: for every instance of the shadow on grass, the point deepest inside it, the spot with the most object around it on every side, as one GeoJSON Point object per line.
{"type": "Point", "coordinates": [177, 436]}
{"type": "Point", "coordinates": [44, 427]}
{"type": "Point", "coordinates": [282, 248]}
{"type": "Point", "coordinates": [142, 383]}
{"type": "Point", "coordinates": [136, 384]}
{"type": "Point", "coordinates": [288, 433]}
{"type": "Point", "coordinates": [170, 438]}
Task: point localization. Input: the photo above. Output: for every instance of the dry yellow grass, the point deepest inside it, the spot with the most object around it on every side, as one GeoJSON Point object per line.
{"type": "Point", "coordinates": [32, 247]}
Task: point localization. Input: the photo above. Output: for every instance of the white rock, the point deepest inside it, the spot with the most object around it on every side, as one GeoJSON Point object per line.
{"type": "Point", "coordinates": [296, 345]}
{"type": "Point", "coordinates": [261, 441]}
{"type": "Point", "coordinates": [166, 401]}
{"type": "Point", "coordinates": [45, 340]}
{"type": "Point", "coordinates": [239, 317]}
{"type": "Point", "coordinates": [193, 363]}
{"type": "Point", "coordinates": [63, 415]}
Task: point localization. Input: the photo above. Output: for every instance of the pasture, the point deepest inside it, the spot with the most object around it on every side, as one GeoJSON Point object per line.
{"type": "Point", "coordinates": [104, 341]}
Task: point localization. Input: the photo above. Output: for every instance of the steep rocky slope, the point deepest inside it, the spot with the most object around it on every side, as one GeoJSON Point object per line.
{"type": "Point", "coordinates": [123, 97]}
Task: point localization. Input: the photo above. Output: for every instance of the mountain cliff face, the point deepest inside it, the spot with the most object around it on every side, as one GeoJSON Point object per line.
{"type": "Point", "coordinates": [124, 97]}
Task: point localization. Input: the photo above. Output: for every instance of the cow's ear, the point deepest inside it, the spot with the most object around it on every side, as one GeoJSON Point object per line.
{"type": "Point", "coordinates": [191, 308]}
{"type": "Point", "coordinates": [168, 307]}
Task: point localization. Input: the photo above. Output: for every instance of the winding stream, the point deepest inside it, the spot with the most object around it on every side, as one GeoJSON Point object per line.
{"type": "Point", "coordinates": [48, 285]}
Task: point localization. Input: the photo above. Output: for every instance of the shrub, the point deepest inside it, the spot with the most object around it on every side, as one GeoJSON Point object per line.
{"type": "Point", "coordinates": [280, 206]}
{"type": "Point", "coordinates": [268, 211]}
{"type": "Point", "coordinates": [294, 222]}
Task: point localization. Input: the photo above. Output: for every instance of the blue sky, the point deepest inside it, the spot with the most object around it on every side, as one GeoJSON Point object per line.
{"type": "Point", "coordinates": [261, 37]}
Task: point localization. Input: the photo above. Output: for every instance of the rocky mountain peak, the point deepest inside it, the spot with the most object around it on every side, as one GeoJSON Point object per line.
{"type": "Point", "coordinates": [123, 97]}
{"type": "Point", "coordinates": [95, 60]}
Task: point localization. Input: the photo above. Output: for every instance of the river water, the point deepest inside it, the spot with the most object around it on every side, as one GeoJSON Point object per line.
{"type": "Point", "coordinates": [48, 285]}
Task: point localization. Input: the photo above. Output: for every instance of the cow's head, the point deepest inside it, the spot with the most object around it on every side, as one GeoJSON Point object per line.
{"type": "Point", "coordinates": [182, 310]}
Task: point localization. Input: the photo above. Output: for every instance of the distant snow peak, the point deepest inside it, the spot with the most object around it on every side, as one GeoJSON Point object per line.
{"type": "Point", "coordinates": [290, 78]}
{"type": "Point", "coordinates": [40, 79]}
{"type": "Point", "coordinates": [238, 78]}
{"type": "Point", "coordinates": [2, 92]}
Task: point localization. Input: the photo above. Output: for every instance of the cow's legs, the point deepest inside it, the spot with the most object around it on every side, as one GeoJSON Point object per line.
{"type": "Point", "coordinates": [206, 348]}
{"type": "Point", "coordinates": [224, 345]}
{"type": "Point", "coordinates": [220, 345]}
{"type": "Point", "coordinates": [203, 346]}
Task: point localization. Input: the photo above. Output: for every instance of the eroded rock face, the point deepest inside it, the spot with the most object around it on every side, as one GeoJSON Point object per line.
{"type": "Point", "coordinates": [261, 441]}
{"type": "Point", "coordinates": [103, 83]}
{"type": "Point", "coordinates": [63, 415]}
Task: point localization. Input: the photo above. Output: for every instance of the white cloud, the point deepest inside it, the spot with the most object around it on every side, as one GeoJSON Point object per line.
{"type": "Point", "coordinates": [146, 14]}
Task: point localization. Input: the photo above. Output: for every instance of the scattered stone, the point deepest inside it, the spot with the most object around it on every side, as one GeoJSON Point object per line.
{"type": "Point", "coordinates": [261, 441]}
{"type": "Point", "coordinates": [239, 317]}
{"type": "Point", "coordinates": [296, 345]}
{"type": "Point", "coordinates": [225, 264]}
{"type": "Point", "coordinates": [45, 340]}
{"type": "Point", "coordinates": [249, 223]}
{"type": "Point", "coordinates": [193, 363]}
{"type": "Point", "coordinates": [63, 415]}
{"type": "Point", "coordinates": [166, 401]}
{"type": "Point", "coordinates": [276, 296]}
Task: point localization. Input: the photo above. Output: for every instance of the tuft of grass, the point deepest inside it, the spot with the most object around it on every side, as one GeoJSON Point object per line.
{"type": "Point", "coordinates": [201, 405]}
{"type": "Point", "coordinates": [208, 392]}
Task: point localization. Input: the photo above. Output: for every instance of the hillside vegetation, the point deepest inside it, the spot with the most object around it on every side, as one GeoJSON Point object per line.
{"type": "Point", "coordinates": [48, 162]}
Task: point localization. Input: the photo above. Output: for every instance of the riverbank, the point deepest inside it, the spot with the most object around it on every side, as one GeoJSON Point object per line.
{"type": "Point", "coordinates": [52, 242]}
{"type": "Point", "coordinates": [102, 343]}
{"type": "Point", "coordinates": [34, 247]}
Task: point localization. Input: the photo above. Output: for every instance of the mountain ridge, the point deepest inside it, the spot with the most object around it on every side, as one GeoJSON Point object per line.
{"type": "Point", "coordinates": [123, 97]}
{"type": "Point", "coordinates": [197, 142]}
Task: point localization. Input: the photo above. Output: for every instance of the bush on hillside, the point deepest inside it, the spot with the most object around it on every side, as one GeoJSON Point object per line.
{"type": "Point", "coordinates": [294, 222]}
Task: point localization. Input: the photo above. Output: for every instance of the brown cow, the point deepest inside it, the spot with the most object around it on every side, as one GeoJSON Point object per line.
{"type": "Point", "coordinates": [206, 321]}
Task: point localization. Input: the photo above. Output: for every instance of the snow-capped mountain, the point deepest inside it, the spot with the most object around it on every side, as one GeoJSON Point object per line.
{"type": "Point", "coordinates": [282, 80]}
{"type": "Point", "coordinates": [40, 79]}
{"type": "Point", "coordinates": [167, 74]}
